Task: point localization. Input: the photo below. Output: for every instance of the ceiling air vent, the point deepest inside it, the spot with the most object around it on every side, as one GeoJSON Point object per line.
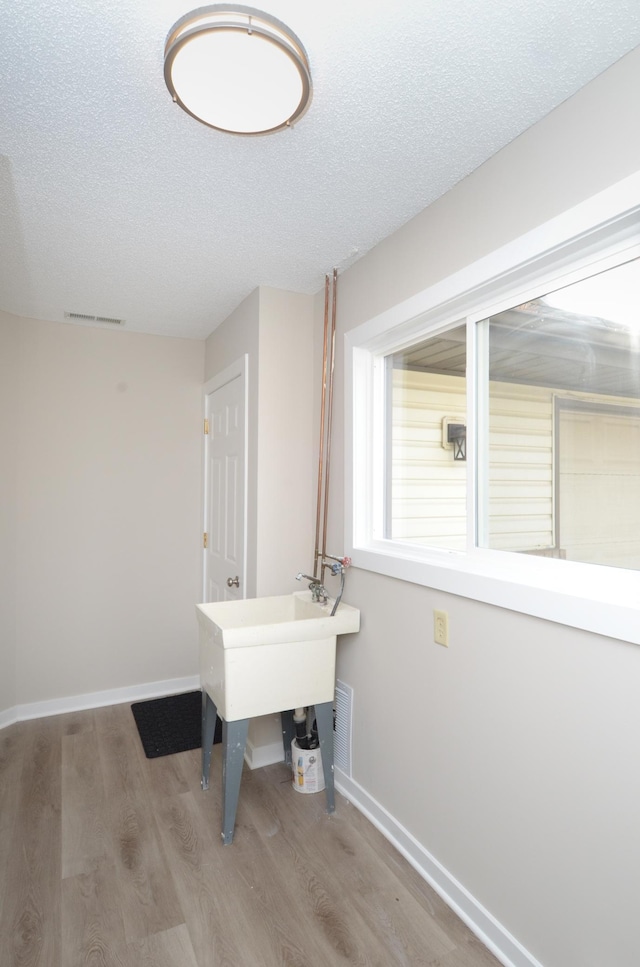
{"type": "Point", "coordinates": [84, 317]}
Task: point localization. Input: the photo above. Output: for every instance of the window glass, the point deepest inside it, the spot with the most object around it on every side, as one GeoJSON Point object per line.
{"type": "Point", "coordinates": [426, 485]}
{"type": "Point", "coordinates": [559, 444]}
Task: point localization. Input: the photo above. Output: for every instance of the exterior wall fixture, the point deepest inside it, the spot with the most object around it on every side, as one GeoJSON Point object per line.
{"type": "Point", "coordinates": [457, 437]}
{"type": "Point", "coordinates": [237, 70]}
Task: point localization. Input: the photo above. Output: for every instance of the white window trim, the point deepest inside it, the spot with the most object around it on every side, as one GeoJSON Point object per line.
{"type": "Point", "coordinates": [585, 239]}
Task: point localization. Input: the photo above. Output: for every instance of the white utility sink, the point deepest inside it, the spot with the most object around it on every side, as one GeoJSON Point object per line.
{"type": "Point", "coordinates": [263, 655]}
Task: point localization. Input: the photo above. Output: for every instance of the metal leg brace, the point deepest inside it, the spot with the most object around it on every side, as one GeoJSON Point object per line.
{"type": "Point", "coordinates": [234, 740]}
{"type": "Point", "coordinates": [209, 715]}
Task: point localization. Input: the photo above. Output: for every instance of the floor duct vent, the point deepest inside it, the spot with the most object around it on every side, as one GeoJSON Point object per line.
{"type": "Point", "coordinates": [342, 727]}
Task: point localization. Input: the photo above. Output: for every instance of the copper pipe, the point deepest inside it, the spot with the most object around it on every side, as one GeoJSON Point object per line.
{"type": "Point", "coordinates": [322, 432]}
{"type": "Point", "coordinates": [329, 418]}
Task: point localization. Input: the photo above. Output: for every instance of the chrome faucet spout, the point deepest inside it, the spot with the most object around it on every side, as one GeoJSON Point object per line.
{"type": "Point", "coordinates": [318, 591]}
{"type": "Point", "coordinates": [337, 566]}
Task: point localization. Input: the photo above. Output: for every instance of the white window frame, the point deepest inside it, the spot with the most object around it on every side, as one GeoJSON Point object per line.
{"type": "Point", "coordinates": [591, 237]}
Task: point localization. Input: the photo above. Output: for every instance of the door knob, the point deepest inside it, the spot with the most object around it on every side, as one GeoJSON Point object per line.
{"type": "Point", "coordinates": [233, 582]}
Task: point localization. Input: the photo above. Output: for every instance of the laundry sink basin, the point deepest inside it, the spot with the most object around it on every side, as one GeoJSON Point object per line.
{"type": "Point", "coordinates": [263, 655]}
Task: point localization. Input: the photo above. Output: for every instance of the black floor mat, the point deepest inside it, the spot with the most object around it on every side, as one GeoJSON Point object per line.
{"type": "Point", "coordinates": [172, 724]}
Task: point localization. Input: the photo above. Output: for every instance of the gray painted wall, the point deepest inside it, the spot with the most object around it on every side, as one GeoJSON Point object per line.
{"type": "Point", "coordinates": [512, 755]}
{"type": "Point", "coordinates": [101, 470]}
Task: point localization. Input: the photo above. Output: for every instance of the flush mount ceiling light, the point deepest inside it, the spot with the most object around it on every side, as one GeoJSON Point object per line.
{"type": "Point", "coordinates": [237, 69]}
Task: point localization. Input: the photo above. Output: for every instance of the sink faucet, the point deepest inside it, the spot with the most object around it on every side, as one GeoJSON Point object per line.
{"type": "Point", "coordinates": [318, 591]}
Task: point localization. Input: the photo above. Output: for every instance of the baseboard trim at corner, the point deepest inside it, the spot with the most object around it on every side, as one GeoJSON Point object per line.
{"type": "Point", "coordinates": [257, 756]}
{"type": "Point", "coordinates": [485, 926]}
{"type": "Point", "coordinates": [8, 717]}
{"type": "Point", "coordinates": [113, 696]}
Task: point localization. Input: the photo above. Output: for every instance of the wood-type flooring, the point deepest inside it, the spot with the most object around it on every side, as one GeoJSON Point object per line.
{"type": "Point", "coordinates": [109, 859]}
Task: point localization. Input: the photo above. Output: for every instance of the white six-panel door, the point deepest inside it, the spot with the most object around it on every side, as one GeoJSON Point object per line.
{"type": "Point", "coordinates": [224, 486]}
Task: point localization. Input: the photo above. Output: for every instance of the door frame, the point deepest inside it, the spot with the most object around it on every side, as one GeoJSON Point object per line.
{"type": "Point", "coordinates": [237, 369]}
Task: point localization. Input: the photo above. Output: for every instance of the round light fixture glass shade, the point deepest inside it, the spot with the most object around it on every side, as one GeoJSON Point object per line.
{"type": "Point", "coordinates": [237, 69]}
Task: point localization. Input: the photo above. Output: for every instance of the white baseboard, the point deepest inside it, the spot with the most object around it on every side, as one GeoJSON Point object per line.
{"type": "Point", "coordinates": [8, 717]}
{"type": "Point", "coordinates": [485, 926]}
{"type": "Point", "coordinates": [257, 756]}
{"type": "Point", "coordinates": [113, 696]}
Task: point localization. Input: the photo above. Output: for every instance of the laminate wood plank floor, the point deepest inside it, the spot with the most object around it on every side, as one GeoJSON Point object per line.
{"type": "Point", "coordinates": [109, 859]}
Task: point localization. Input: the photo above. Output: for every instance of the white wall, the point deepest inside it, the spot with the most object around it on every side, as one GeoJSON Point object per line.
{"type": "Point", "coordinates": [107, 508]}
{"type": "Point", "coordinates": [8, 496]}
{"type": "Point", "coordinates": [511, 756]}
{"type": "Point", "coordinates": [287, 442]}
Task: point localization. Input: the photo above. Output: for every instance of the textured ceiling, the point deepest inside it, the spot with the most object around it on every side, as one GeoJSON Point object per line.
{"type": "Point", "coordinates": [114, 202]}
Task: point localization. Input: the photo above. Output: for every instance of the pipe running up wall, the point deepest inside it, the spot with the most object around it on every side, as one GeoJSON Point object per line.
{"type": "Point", "coordinates": [326, 414]}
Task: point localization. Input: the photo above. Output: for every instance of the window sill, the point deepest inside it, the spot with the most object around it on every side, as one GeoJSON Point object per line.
{"type": "Point", "coordinates": [601, 600]}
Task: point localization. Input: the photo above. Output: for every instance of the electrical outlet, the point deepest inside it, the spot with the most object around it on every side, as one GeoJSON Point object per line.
{"type": "Point", "coordinates": [441, 628]}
